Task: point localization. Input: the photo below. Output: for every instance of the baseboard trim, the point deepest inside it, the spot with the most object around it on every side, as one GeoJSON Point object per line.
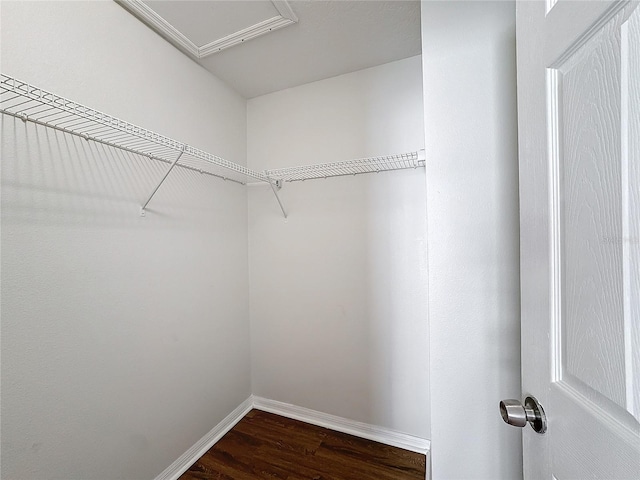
{"type": "Point", "coordinates": [333, 422]}
{"type": "Point", "coordinates": [188, 458]}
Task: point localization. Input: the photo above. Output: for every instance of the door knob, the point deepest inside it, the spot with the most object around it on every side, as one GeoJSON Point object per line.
{"type": "Point", "coordinates": [518, 415]}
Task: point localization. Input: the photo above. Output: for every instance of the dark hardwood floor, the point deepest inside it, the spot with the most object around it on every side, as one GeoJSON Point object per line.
{"type": "Point", "coordinates": [267, 446]}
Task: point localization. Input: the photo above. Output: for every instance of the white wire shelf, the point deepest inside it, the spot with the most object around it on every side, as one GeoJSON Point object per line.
{"type": "Point", "coordinates": [30, 103]}
{"type": "Point", "coordinates": [350, 167]}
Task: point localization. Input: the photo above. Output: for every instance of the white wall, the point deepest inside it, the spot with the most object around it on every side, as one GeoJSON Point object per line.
{"type": "Point", "coordinates": [124, 339]}
{"type": "Point", "coordinates": [338, 291]}
{"type": "Point", "coordinates": [472, 186]}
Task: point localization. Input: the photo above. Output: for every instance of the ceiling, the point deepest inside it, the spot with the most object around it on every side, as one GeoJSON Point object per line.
{"type": "Point", "coordinates": [262, 46]}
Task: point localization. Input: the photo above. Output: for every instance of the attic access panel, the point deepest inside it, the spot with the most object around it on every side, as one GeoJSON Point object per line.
{"type": "Point", "coordinates": [204, 28]}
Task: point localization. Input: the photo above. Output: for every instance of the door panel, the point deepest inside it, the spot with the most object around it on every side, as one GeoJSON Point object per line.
{"type": "Point", "coordinates": [579, 122]}
{"type": "Point", "coordinates": [630, 67]}
{"type": "Point", "coordinates": [586, 158]}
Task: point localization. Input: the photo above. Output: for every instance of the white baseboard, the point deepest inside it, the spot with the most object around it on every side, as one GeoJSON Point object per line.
{"type": "Point", "coordinates": [188, 458]}
{"type": "Point", "coordinates": [332, 422]}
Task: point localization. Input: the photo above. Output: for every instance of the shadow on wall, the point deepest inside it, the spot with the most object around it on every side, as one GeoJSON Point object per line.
{"type": "Point", "coordinates": [103, 311]}
{"type": "Point", "coordinates": [49, 177]}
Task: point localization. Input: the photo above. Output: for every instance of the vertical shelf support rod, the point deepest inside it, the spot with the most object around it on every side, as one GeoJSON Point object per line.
{"type": "Point", "coordinates": [142, 209]}
{"type": "Point", "coordinates": [275, 186]}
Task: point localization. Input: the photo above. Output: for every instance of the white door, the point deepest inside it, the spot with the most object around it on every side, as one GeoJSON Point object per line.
{"type": "Point", "coordinates": [579, 141]}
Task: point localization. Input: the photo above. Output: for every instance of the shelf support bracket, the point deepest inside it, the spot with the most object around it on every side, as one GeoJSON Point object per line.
{"type": "Point", "coordinates": [275, 186]}
{"type": "Point", "coordinates": [142, 209]}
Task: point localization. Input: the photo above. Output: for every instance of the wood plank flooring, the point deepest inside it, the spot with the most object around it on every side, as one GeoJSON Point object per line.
{"type": "Point", "coordinates": [267, 446]}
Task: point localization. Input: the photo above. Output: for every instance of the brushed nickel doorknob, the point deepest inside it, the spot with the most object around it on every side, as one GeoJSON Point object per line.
{"type": "Point", "coordinates": [518, 415]}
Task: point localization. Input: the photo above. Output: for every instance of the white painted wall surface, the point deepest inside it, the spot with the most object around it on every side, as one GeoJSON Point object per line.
{"type": "Point", "coordinates": [472, 187]}
{"type": "Point", "coordinates": [124, 339]}
{"type": "Point", "coordinates": [338, 291]}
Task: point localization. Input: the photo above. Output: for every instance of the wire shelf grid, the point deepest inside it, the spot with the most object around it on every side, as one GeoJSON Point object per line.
{"type": "Point", "coordinates": [30, 103]}
{"type": "Point", "coordinates": [350, 167]}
